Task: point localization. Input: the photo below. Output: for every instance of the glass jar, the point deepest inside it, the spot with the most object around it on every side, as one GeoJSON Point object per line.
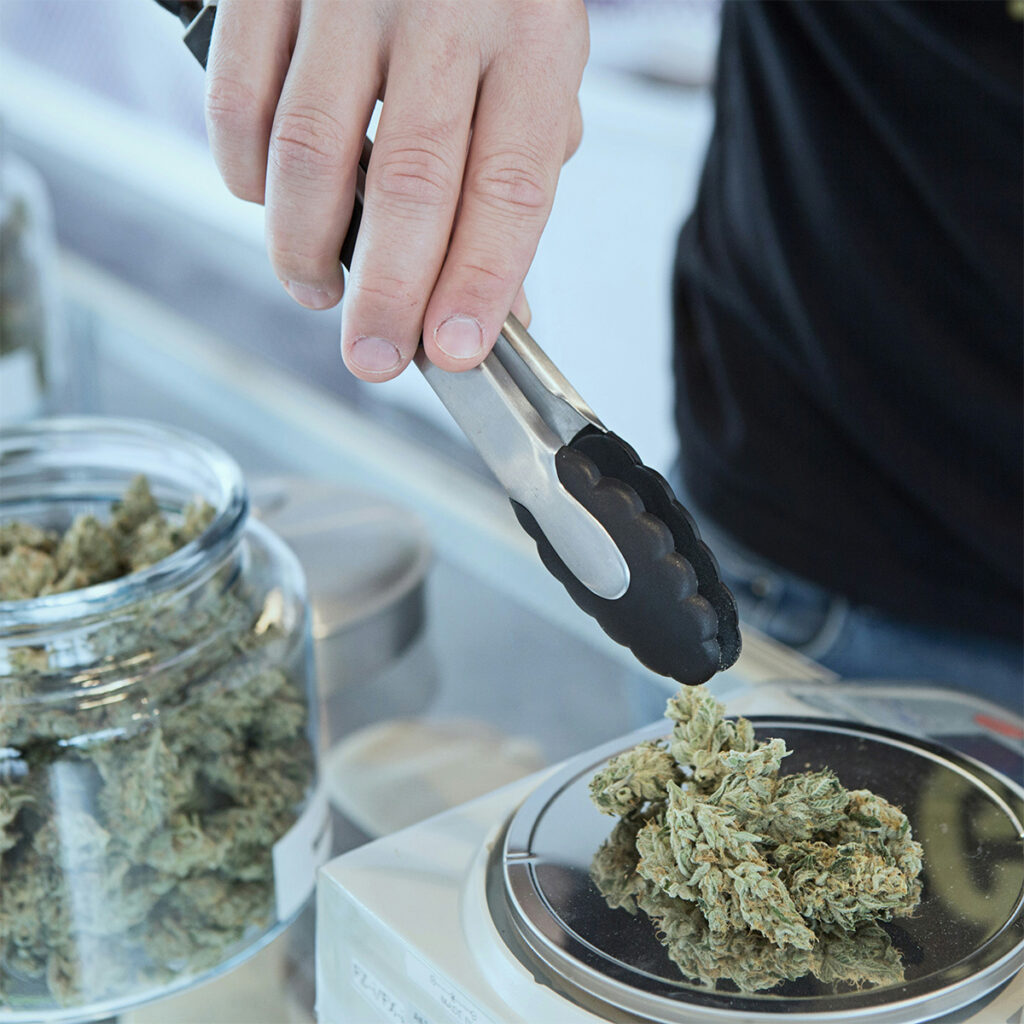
{"type": "Point", "coordinates": [159, 810]}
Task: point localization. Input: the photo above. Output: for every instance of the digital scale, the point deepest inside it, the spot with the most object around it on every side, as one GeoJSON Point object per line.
{"type": "Point", "coordinates": [487, 913]}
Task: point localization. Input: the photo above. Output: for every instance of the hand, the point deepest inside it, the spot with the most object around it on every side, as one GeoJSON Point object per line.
{"type": "Point", "coordinates": [479, 113]}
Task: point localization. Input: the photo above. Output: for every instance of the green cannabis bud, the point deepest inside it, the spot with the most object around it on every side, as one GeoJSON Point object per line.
{"type": "Point", "coordinates": [36, 562]}
{"type": "Point", "coordinates": [749, 876]}
{"type": "Point", "coordinates": [141, 798]}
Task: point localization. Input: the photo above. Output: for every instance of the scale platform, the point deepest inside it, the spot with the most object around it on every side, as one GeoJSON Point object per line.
{"type": "Point", "coordinates": [487, 913]}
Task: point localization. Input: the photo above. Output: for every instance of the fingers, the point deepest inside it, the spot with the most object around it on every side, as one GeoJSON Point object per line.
{"type": "Point", "coordinates": [479, 113]}
{"type": "Point", "coordinates": [521, 308]}
{"type": "Point", "coordinates": [318, 129]}
{"type": "Point", "coordinates": [572, 143]}
{"type": "Point", "coordinates": [522, 129]}
{"type": "Point", "coordinates": [249, 56]}
{"type": "Point", "coordinates": [412, 190]}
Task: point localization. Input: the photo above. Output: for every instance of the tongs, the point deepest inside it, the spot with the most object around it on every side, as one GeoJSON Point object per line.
{"type": "Point", "coordinates": [606, 526]}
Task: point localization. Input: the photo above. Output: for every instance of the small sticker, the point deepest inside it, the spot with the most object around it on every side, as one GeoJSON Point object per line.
{"type": "Point", "coordinates": [461, 1009]}
{"type": "Point", "coordinates": [1000, 726]}
{"type": "Point", "coordinates": [298, 854]}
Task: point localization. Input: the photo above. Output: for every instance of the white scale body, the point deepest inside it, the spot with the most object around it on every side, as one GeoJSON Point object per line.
{"type": "Point", "coordinates": [405, 934]}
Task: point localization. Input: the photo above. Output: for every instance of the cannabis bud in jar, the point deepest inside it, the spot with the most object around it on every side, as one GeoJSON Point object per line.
{"type": "Point", "coordinates": [35, 562]}
{"type": "Point", "coordinates": [154, 746]}
{"type": "Point", "coordinates": [748, 875]}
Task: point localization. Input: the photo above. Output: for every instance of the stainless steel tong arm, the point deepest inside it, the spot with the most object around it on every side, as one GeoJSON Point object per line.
{"type": "Point", "coordinates": [542, 382]}
{"type": "Point", "coordinates": [519, 448]}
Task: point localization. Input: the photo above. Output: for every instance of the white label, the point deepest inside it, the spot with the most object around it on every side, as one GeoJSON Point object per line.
{"type": "Point", "coordinates": [377, 994]}
{"type": "Point", "coordinates": [460, 1008]}
{"type": "Point", "coordinates": [298, 854]}
{"type": "Point", "coordinates": [20, 397]}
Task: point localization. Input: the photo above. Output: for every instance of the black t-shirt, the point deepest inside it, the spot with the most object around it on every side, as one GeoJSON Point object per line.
{"type": "Point", "coordinates": [848, 301]}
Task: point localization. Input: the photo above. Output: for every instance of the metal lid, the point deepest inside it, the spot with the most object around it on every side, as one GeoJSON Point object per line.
{"type": "Point", "coordinates": [366, 559]}
{"type": "Point", "coordinates": [964, 940]}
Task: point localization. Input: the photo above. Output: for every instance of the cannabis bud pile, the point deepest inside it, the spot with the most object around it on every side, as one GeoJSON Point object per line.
{"type": "Point", "coordinates": [749, 876]}
{"type": "Point", "coordinates": [35, 562]}
{"type": "Point", "coordinates": [149, 759]}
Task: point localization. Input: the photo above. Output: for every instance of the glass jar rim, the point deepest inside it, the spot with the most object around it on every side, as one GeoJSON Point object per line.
{"type": "Point", "coordinates": [231, 509]}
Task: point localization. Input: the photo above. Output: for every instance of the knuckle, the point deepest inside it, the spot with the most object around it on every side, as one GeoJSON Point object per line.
{"type": "Point", "coordinates": [306, 143]}
{"type": "Point", "coordinates": [235, 123]}
{"type": "Point", "coordinates": [485, 280]}
{"type": "Point", "coordinates": [414, 173]}
{"type": "Point", "coordinates": [232, 107]}
{"type": "Point", "coordinates": [555, 22]}
{"type": "Point", "coordinates": [387, 292]}
{"type": "Point", "coordinates": [514, 181]}
{"type": "Point", "coordinates": [293, 261]}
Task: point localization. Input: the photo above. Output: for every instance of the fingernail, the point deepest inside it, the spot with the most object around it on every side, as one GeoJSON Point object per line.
{"type": "Point", "coordinates": [459, 337]}
{"type": "Point", "coordinates": [313, 298]}
{"type": "Point", "coordinates": [374, 355]}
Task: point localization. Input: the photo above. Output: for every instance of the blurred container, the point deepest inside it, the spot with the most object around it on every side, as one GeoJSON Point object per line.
{"type": "Point", "coordinates": [31, 328]}
{"type": "Point", "coordinates": [159, 810]}
{"type": "Point", "coordinates": [366, 561]}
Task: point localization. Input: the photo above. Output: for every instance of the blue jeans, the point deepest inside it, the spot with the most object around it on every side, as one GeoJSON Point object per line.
{"type": "Point", "coordinates": [858, 642]}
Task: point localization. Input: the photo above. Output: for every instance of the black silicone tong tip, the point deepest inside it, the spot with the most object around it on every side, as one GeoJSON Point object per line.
{"type": "Point", "coordinates": [677, 617]}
